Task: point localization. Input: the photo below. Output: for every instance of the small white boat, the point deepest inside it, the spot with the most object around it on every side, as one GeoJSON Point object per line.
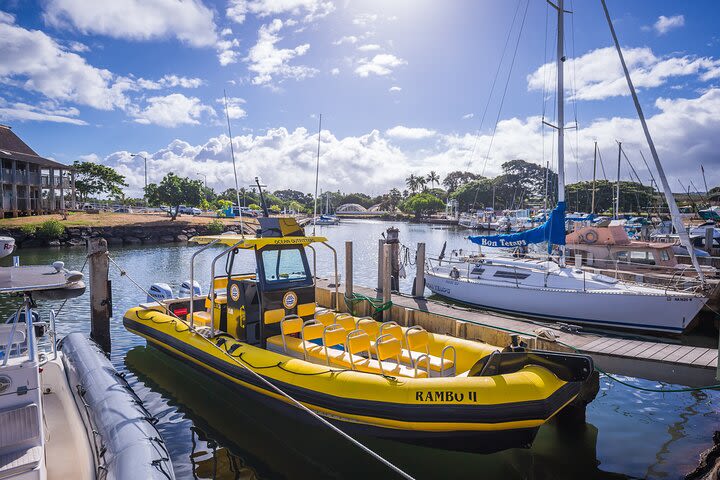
{"type": "Point", "coordinates": [326, 219]}
{"type": "Point", "coordinates": [66, 413]}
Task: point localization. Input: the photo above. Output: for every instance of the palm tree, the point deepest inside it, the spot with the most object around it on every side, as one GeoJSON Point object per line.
{"type": "Point", "coordinates": [433, 178]}
{"type": "Point", "coordinates": [412, 182]}
{"type": "Point", "coordinates": [421, 182]}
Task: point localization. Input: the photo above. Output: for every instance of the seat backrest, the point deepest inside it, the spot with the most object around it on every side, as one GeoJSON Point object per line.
{"type": "Point", "coordinates": [334, 335]}
{"type": "Point", "coordinates": [417, 339]}
{"type": "Point", "coordinates": [392, 328]}
{"type": "Point", "coordinates": [312, 330]}
{"type": "Point", "coordinates": [326, 318]}
{"type": "Point", "coordinates": [369, 326]}
{"type": "Point", "coordinates": [291, 324]}
{"type": "Point", "coordinates": [357, 342]}
{"type": "Point", "coordinates": [345, 320]}
{"type": "Point", "coordinates": [388, 347]}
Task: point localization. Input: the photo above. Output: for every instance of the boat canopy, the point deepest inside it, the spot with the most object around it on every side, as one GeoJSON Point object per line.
{"type": "Point", "coordinates": [552, 231]}
{"type": "Point", "coordinates": [256, 242]}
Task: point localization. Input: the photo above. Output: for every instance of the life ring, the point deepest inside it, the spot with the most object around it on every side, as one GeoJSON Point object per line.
{"type": "Point", "coordinates": [590, 237]}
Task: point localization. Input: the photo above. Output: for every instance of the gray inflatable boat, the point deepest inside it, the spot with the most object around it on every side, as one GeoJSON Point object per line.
{"type": "Point", "coordinates": [126, 444]}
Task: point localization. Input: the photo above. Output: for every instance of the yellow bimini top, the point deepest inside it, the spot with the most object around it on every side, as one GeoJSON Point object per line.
{"type": "Point", "coordinates": [249, 241]}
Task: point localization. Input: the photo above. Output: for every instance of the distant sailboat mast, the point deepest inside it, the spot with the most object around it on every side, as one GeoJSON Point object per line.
{"type": "Point", "coordinates": [561, 111]}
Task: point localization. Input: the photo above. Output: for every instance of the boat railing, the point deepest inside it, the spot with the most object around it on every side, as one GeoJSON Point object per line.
{"type": "Point", "coordinates": [29, 334]}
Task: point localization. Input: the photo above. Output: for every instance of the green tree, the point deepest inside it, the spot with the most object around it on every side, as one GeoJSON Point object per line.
{"type": "Point", "coordinates": [175, 191]}
{"type": "Point", "coordinates": [456, 179]}
{"type": "Point", "coordinates": [421, 182]}
{"type": "Point", "coordinates": [634, 197]}
{"type": "Point", "coordinates": [94, 179]}
{"type": "Point", "coordinates": [296, 206]}
{"type": "Point", "coordinates": [433, 178]}
{"type": "Point", "coordinates": [274, 208]}
{"type": "Point", "coordinates": [412, 183]}
{"type": "Point", "coordinates": [714, 194]}
{"type": "Point", "coordinates": [422, 204]}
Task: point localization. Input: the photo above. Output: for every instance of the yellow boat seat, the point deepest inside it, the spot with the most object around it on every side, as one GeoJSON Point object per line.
{"type": "Point", "coordinates": [326, 317]}
{"type": "Point", "coordinates": [345, 320]}
{"type": "Point", "coordinates": [417, 341]}
{"type": "Point", "coordinates": [219, 300]}
{"type": "Point", "coordinates": [201, 319]}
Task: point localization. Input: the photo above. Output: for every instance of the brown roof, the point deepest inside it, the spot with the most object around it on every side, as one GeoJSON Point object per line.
{"type": "Point", "coordinates": [13, 148]}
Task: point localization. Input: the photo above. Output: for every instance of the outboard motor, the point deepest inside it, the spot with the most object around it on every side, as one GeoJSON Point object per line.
{"type": "Point", "coordinates": [159, 291]}
{"type": "Point", "coordinates": [185, 289]}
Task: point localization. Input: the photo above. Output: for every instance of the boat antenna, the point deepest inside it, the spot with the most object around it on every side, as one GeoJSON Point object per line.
{"type": "Point", "coordinates": [317, 175]}
{"type": "Point", "coordinates": [674, 211]}
{"type": "Point", "coordinates": [232, 153]}
{"type": "Point", "coordinates": [702, 169]}
{"type": "Point", "coordinates": [263, 204]}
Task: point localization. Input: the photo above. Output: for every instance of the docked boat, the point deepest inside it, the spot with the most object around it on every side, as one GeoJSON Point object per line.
{"type": "Point", "coordinates": [326, 219]}
{"type": "Point", "coordinates": [479, 220]}
{"type": "Point", "coordinates": [65, 413]}
{"type": "Point", "coordinates": [262, 331]}
{"type": "Point", "coordinates": [549, 289]}
{"type": "Point", "coordinates": [7, 245]}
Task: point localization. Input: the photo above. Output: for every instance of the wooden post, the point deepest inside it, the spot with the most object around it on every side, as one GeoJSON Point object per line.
{"type": "Point", "coordinates": [381, 246]}
{"type": "Point", "coordinates": [348, 269]}
{"type": "Point", "coordinates": [99, 292]}
{"type": "Point", "coordinates": [419, 289]}
{"type": "Point", "coordinates": [387, 273]}
{"type": "Point", "coordinates": [709, 231]}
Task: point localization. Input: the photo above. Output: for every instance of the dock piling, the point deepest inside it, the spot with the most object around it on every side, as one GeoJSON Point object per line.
{"type": "Point", "coordinates": [381, 247]}
{"type": "Point", "coordinates": [100, 305]}
{"type": "Point", "coordinates": [349, 269]}
{"type": "Point", "coordinates": [419, 287]}
{"type": "Point", "coordinates": [387, 276]}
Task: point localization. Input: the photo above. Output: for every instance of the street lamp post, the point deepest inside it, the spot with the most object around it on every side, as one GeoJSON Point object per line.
{"type": "Point", "coordinates": [145, 161]}
{"type": "Point", "coordinates": [204, 176]}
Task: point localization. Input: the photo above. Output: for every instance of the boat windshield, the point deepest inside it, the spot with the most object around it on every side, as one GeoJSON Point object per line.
{"type": "Point", "coordinates": [284, 265]}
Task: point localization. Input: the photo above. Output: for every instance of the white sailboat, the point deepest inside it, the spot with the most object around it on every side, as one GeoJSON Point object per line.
{"type": "Point", "coordinates": [549, 289]}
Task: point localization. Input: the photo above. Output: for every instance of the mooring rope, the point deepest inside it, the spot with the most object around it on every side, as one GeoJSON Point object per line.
{"type": "Point", "coordinates": [238, 361]}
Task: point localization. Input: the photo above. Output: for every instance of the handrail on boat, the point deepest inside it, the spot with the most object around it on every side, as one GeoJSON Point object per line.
{"type": "Point", "coordinates": [192, 280]}
{"type": "Point", "coordinates": [212, 289]}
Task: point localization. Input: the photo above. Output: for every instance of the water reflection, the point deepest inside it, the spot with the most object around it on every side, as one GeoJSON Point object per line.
{"type": "Point", "coordinates": [237, 436]}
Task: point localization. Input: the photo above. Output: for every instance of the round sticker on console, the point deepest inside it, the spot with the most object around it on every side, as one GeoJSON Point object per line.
{"type": "Point", "coordinates": [235, 292]}
{"type": "Point", "coordinates": [290, 300]}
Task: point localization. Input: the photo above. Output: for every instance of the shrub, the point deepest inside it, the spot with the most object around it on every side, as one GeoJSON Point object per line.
{"type": "Point", "coordinates": [51, 229]}
{"type": "Point", "coordinates": [216, 227]}
{"type": "Point", "coordinates": [28, 229]}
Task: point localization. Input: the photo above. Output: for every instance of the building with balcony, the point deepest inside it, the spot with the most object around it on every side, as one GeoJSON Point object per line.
{"type": "Point", "coordinates": [31, 184]}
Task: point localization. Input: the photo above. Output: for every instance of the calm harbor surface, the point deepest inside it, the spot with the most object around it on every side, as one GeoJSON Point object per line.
{"type": "Point", "coordinates": [213, 432]}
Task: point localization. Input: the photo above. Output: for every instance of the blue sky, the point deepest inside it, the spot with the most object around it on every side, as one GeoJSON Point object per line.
{"type": "Point", "coordinates": [402, 86]}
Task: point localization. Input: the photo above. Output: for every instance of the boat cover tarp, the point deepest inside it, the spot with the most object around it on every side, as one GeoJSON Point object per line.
{"type": "Point", "coordinates": [552, 231]}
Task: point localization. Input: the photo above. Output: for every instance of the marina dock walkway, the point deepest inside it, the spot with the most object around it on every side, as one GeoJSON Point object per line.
{"type": "Point", "coordinates": [657, 359]}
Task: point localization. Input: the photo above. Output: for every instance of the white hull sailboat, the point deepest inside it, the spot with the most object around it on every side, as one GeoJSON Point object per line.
{"type": "Point", "coordinates": [550, 290]}
{"type": "Point", "coordinates": [545, 290]}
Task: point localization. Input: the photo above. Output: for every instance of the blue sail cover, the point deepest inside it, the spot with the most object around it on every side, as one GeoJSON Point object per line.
{"type": "Point", "coordinates": [552, 231]}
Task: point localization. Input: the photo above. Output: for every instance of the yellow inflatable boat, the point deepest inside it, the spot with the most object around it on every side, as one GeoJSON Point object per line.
{"type": "Point", "coordinates": [375, 378]}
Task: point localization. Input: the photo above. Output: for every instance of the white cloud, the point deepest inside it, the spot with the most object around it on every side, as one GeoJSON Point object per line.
{"type": "Point", "coordinates": [408, 133]}
{"type": "Point", "coordinates": [370, 47]}
{"type": "Point", "coordinates": [78, 47]}
{"type": "Point", "coordinates": [468, 116]}
{"type": "Point", "coordinates": [189, 21]}
{"type": "Point", "coordinates": [335, 71]}
{"type": "Point", "coordinates": [365, 19]}
{"type": "Point", "coordinates": [394, 89]}
{"type": "Point", "coordinates": [234, 107]}
{"type": "Point", "coordinates": [237, 10]}
{"type": "Point", "coordinates": [684, 131]}
{"type": "Point", "coordinates": [170, 81]}
{"type": "Point", "coordinates": [33, 61]}
{"type": "Point", "coordinates": [172, 110]}
{"type": "Point", "coordinates": [269, 63]}
{"type": "Point", "coordinates": [23, 112]}
{"type": "Point", "coordinates": [226, 32]}
{"type": "Point", "coordinates": [352, 39]}
{"type": "Point", "coordinates": [226, 54]}
{"type": "Point", "coordinates": [598, 74]}
{"type": "Point", "coordinates": [381, 64]}
{"type": "Point", "coordinates": [665, 24]}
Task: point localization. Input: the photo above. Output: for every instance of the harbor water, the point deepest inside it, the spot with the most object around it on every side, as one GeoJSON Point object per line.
{"type": "Point", "coordinates": [212, 431]}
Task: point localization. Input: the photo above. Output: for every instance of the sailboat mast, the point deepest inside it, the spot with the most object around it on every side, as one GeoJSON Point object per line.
{"type": "Point", "coordinates": [561, 111]}
{"type": "Point", "coordinates": [617, 183]}
{"type": "Point", "coordinates": [592, 207]}
{"type": "Point", "coordinates": [674, 211]}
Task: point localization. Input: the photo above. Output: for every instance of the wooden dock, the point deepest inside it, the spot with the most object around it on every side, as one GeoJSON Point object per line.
{"type": "Point", "coordinates": [658, 360]}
